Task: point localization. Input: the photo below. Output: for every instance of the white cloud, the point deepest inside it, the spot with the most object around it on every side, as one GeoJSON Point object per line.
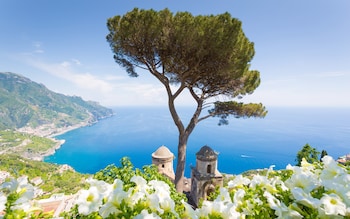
{"type": "Point", "coordinates": [65, 64]}
{"type": "Point", "coordinates": [37, 47]}
{"type": "Point", "coordinates": [38, 51]}
{"type": "Point", "coordinates": [116, 89]}
{"type": "Point", "coordinates": [322, 90]}
{"type": "Point", "coordinates": [333, 74]}
{"type": "Point", "coordinates": [65, 71]}
{"type": "Point", "coordinates": [109, 89]}
{"type": "Point", "coordinates": [76, 61]}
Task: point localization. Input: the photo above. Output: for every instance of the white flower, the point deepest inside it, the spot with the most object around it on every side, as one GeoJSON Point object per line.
{"type": "Point", "coordinates": [10, 186]}
{"type": "Point", "coordinates": [134, 196]}
{"type": "Point", "coordinates": [344, 179]}
{"type": "Point", "coordinates": [268, 184]}
{"type": "Point", "coordinates": [168, 204]}
{"type": "Point", "coordinates": [331, 169]}
{"type": "Point", "coordinates": [117, 184]}
{"type": "Point", "coordinates": [232, 213]}
{"type": "Point", "coordinates": [24, 189]}
{"type": "Point", "coordinates": [103, 188]}
{"type": "Point", "coordinates": [225, 210]}
{"type": "Point", "coordinates": [141, 184]}
{"type": "Point", "coordinates": [305, 198]}
{"type": "Point", "coordinates": [281, 210]}
{"type": "Point", "coordinates": [145, 215]}
{"type": "Point", "coordinates": [250, 204]}
{"type": "Point", "coordinates": [205, 210]}
{"type": "Point", "coordinates": [114, 199]}
{"type": "Point", "coordinates": [303, 180]}
{"type": "Point", "coordinates": [224, 196]}
{"type": "Point", "coordinates": [238, 181]}
{"type": "Point", "coordinates": [238, 197]}
{"type": "Point", "coordinates": [113, 202]}
{"type": "Point", "coordinates": [189, 212]}
{"type": "Point", "coordinates": [19, 185]}
{"type": "Point", "coordinates": [162, 191]}
{"type": "Point", "coordinates": [306, 166]}
{"type": "Point", "coordinates": [153, 201]}
{"type": "Point", "coordinates": [89, 201]}
{"type": "Point", "coordinates": [345, 196]}
{"type": "Point", "coordinates": [333, 205]}
{"type": "Point", "coordinates": [3, 200]}
{"type": "Point", "coordinates": [160, 186]}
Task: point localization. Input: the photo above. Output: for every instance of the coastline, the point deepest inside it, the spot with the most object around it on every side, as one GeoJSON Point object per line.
{"type": "Point", "coordinates": [52, 150]}
{"type": "Point", "coordinates": [59, 143]}
{"type": "Point", "coordinates": [63, 130]}
{"type": "Point", "coordinates": [50, 132]}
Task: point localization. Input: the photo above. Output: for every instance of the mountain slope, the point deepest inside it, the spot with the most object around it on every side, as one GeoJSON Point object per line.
{"type": "Point", "coordinates": [24, 103]}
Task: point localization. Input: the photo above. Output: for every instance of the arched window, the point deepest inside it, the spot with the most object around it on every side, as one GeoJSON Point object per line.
{"type": "Point", "coordinates": [163, 166]}
{"type": "Point", "coordinates": [209, 190]}
{"type": "Point", "coordinates": [209, 168]}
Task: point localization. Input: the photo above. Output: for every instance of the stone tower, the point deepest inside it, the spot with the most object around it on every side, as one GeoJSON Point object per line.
{"type": "Point", "coordinates": [205, 176]}
{"type": "Point", "coordinates": [163, 159]}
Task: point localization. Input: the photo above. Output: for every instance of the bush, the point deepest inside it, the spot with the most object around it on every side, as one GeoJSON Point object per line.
{"type": "Point", "coordinates": [317, 190]}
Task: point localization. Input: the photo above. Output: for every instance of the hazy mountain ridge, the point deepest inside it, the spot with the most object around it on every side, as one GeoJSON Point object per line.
{"type": "Point", "coordinates": [27, 104]}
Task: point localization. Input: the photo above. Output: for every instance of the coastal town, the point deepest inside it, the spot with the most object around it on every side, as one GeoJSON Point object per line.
{"type": "Point", "coordinates": [48, 131]}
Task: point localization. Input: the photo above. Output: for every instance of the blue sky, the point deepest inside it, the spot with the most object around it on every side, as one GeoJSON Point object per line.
{"type": "Point", "coordinates": [302, 48]}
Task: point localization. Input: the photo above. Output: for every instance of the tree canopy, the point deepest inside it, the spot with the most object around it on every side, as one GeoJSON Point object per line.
{"type": "Point", "coordinates": [209, 56]}
{"type": "Point", "coordinates": [308, 153]}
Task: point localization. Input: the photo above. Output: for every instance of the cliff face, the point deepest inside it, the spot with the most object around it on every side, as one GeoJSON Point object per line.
{"type": "Point", "coordinates": [27, 105]}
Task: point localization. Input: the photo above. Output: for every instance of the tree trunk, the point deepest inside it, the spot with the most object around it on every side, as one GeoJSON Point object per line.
{"type": "Point", "coordinates": [184, 134]}
{"type": "Point", "coordinates": [181, 161]}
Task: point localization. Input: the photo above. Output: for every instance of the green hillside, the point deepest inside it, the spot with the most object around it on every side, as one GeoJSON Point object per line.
{"type": "Point", "coordinates": [24, 103]}
{"type": "Point", "coordinates": [26, 145]}
{"type": "Point", "coordinates": [55, 178]}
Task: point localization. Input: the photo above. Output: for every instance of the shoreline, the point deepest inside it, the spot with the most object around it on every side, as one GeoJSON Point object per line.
{"type": "Point", "coordinates": [59, 142]}
{"type": "Point", "coordinates": [52, 150]}
{"type": "Point", "coordinates": [49, 132]}
{"type": "Point", "coordinates": [61, 131]}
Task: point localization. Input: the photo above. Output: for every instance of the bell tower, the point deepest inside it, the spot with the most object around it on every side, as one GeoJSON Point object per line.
{"type": "Point", "coordinates": [163, 159]}
{"type": "Point", "coordinates": [205, 175]}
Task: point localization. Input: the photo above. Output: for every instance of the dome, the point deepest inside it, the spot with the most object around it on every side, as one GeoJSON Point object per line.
{"type": "Point", "coordinates": [206, 153]}
{"type": "Point", "coordinates": [162, 152]}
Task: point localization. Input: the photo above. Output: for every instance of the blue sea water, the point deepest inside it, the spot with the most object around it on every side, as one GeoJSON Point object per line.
{"type": "Point", "coordinates": [242, 145]}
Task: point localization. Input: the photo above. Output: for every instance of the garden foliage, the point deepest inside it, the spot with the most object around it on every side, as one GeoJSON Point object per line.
{"type": "Point", "coordinates": [318, 190]}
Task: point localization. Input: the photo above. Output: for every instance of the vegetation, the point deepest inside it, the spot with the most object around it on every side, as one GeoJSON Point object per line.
{"type": "Point", "coordinates": [323, 154]}
{"type": "Point", "coordinates": [135, 181]}
{"type": "Point", "coordinates": [206, 56]}
{"type": "Point", "coordinates": [27, 145]}
{"type": "Point", "coordinates": [26, 103]}
{"type": "Point", "coordinates": [311, 190]}
{"type": "Point", "coordinates": [308, 153]}
{"type": "Point", "coordinates": [126, 171]}
{"type": "Point", "coordinates": [55, 180]}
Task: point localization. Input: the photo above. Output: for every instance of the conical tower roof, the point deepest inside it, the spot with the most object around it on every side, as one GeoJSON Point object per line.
{"type": "Point", "coordinates": [206, 154]}
{"type": "Point", "coordinates": [162, 152]}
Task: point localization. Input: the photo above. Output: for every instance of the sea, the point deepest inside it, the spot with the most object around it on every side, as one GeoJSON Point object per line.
{"type": "Point", "coordinates": [242, 145]}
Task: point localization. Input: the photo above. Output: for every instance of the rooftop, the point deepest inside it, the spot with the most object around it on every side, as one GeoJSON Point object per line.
{"type": "Point", "coordinates": [206, 153]}
{"type": "Point", "coordinates": [162, 152]}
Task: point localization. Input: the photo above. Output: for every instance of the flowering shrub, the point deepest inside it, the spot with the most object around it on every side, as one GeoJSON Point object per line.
{"type": "Point", "coordinates": [16, 197]}
{"type": "Point", "coordinates": [319, 190]}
